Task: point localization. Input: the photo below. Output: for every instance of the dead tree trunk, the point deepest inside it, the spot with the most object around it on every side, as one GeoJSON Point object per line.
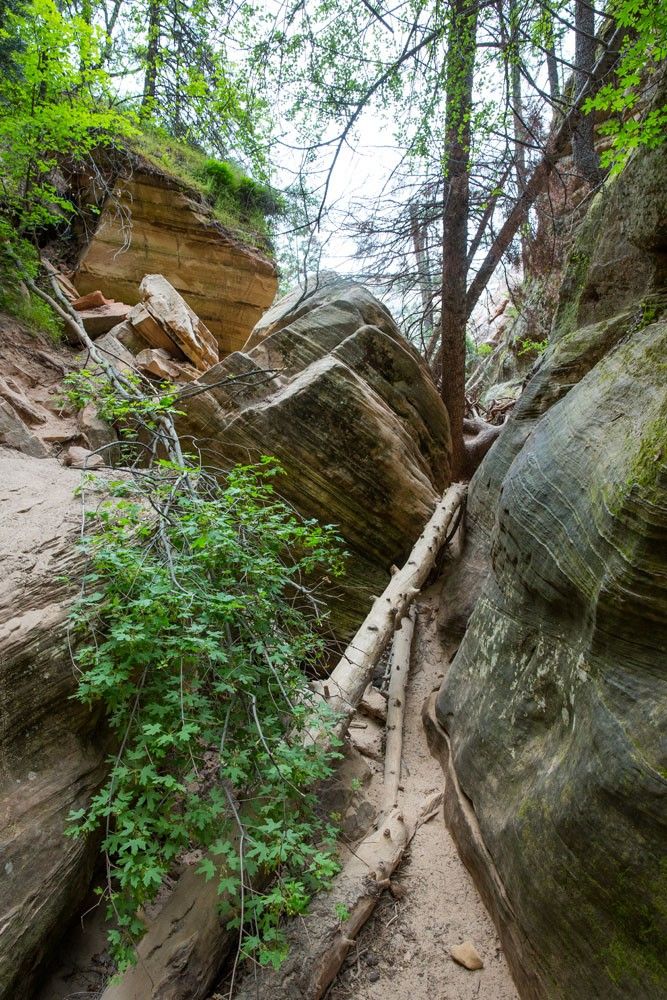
{"type": "Point", "coordinates": [398, 682]}
{"type": "Point", "coordinates": [417, 229]}
{"type": "Point", "coordinates": [345, 687]}
{"type": "Point", "coordinates": [320, 942]}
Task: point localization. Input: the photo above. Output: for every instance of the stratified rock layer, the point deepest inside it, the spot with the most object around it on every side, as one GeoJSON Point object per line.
{"type": "Point", "coordinates": [330, 388]}
{"type": "Point", "coordinates": [48, 763]}
{"type": "Point", "coordinates": [556, 703]}
{"type": "Point", "coordinates": [155, 224]}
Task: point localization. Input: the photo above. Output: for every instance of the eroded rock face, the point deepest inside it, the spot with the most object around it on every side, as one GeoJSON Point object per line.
{"type": "Point", "coordinates": [330, 388]}
{"type": "Point", "coordinates": [49, 764]}
{"type": "Point", "coordinates": [156, 224]}
{"type": "Point", "coordinates": [556, 703]}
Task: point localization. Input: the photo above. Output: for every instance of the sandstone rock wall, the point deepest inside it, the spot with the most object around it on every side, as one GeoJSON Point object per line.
{"type": "Point", "coordinates": [155, 224]}
{"type": "Point", "coordinates": [555, 704]}
{"type": "Point", "coordinates": [49, 763]}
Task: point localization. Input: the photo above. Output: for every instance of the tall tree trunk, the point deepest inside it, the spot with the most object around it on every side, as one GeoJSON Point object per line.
{"type": "Point", "coordinates": [460, 65]}
{"type": "Point", "coordinates": [519, 128]}
{"type": "Point", "coordinates": [417, 230]}
{"type": "Point", "coordinates": [152, 53]}
{"type": "Point", "coordinates": [586, 160]}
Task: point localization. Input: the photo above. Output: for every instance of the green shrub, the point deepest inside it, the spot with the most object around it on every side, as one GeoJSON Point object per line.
{"type": "Point", "coordinates": [222, 178]}
{"type": "Point", "coordinates": [229, 185]}
{"type": "Point", "coordinates": [529, 346]}
{"type": "Point", "coordinates": [197, 626]}
{"type": "Point", "coordinates": [18, 258]}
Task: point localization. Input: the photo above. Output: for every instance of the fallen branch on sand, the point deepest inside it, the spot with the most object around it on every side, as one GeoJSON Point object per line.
{"type": "Point", "coordinates": [398, 682]}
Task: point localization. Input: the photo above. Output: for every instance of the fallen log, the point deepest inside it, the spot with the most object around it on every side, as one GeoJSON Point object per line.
{"type": "Point", "coordinates": [345, 687]}
{"type": "Point", "coordinates": [398, 681]}
{"type": "Point", "coordinates": [320, 942]}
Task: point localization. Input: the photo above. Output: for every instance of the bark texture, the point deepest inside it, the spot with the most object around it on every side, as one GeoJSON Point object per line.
{"type": "Point", "coordinates": [345, 687]}
{"type": "Point", "coordinates": [460, 65]}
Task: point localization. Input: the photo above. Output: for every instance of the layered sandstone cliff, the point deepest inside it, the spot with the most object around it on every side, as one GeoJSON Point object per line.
{"type": "Point", "coordinates": [554, 706]}
{"type": "Point", "coordinates": [151, 222]}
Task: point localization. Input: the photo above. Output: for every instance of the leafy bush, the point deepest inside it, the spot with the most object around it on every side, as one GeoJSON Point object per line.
{"type": "Point", "coordinates": [642, 57]}
{"type": "Point", "coordinates": [54, 103]}
{"type": "Point", "coordinates": [529, 346]}
{"type": "Point", "coordinates": [17, 258]}
{"type": "Point", "coordinates": [227, 182]}
{"type": "Point", "coordinates": [199, 624]}
{"type": "Point", "coordinates": [221, 176]}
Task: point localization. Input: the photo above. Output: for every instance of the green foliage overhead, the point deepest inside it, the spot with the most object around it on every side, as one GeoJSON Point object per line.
{"type": "Point", "coordinates": [643, 57]}
{"type": "Point", "coordinates": [55, 105]}
{"type": "Point", "coordinates": [196, 628]}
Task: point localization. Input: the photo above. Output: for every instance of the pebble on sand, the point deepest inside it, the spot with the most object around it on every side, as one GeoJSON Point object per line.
{"type": "Point", "coordinates": [467, 955]}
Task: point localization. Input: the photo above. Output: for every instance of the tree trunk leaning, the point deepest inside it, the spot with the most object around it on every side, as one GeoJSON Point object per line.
{"type": "Point", "coordinates": [345, 687]}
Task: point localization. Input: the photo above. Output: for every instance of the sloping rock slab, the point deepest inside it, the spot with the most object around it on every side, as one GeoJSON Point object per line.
{"type": "Point", "coordinates": [48, 763]}
{"type": "Point", "coordinates": [350, 411]}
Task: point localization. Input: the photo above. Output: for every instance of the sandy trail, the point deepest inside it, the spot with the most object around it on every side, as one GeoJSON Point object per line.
{"type": "Point", "coordinates": [404, 949]}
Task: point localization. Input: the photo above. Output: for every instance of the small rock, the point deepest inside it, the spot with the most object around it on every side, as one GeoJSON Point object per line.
{"type": "Point", "coordinates": [156, 361]}
{"type": "Point", "coordinates": [373, 975]}
{"type": "Point", "coordinates": [93, 300]}
{"type": "Point", "coordinates": [374, 704]}
{"type": "Point", "coordinates": [371, 959]}
{"type": "Point", "coordinates": [81, 458]}
{"type": "Point", "coordinates": [467, 955]}
{"type": "Point", "coordinates": [103, 318]}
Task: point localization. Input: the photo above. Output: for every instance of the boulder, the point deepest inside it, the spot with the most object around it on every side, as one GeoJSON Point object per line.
{"type": "Point", "coordinates": [82, 458]}
{"type": "Point", "coordinates": [152, 332]}
{"type": "Point", "coordinates": [166, 321]}
{"type": "Point", "coordinates": [49, 764]}
{"type": "Point", "coordinates": [555, 705]}
{"type": "Point", "coordinates": [162, 365]}
{"type": "Point", "coordinates": [152, 222]}
{"type": "Point", "coordinates": [348, 407]}
{"type": "Point", "coordinates": [14, 433]}
{"type": "Point", "coordinates": [103, 318]}
{"type": "Point", "coordinates": [97, 432]}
